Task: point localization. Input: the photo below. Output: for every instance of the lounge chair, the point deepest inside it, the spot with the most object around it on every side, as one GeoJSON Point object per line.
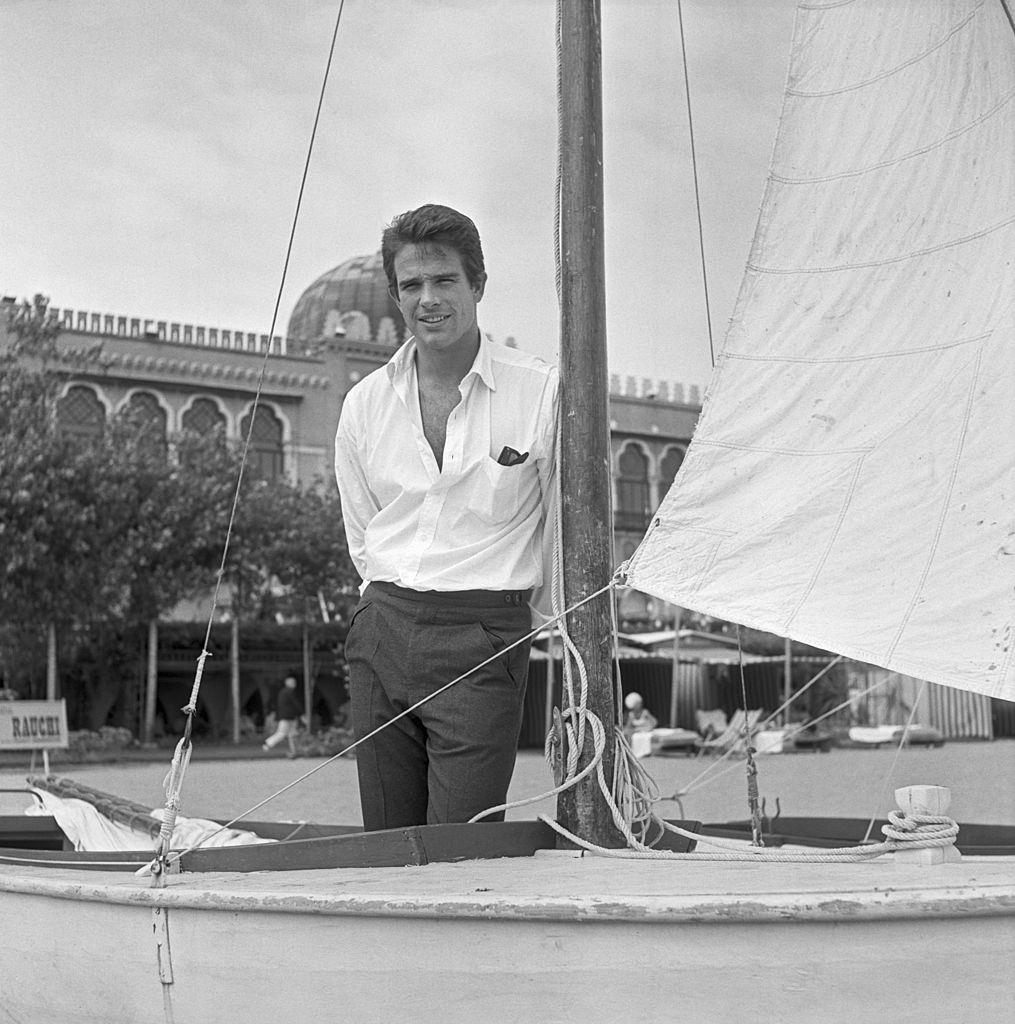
{"type": "Point", "coordinates": [667, 742]}
{"type": "Point", "coordinates": [711, 723]}
{"type": "Point", "coordinates": [734, 736]}
{"type": "Point", "coordinates": [915, 735]}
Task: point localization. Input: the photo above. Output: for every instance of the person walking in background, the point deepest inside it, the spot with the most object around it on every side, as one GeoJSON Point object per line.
{"type": "Point", "coordinates": [288, 709]}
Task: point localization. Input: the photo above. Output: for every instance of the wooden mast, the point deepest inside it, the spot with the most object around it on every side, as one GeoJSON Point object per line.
{"type": "Point", "coordinates": [585, 447]}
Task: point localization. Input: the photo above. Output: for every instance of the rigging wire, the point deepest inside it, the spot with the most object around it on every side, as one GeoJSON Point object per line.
{"type": "Point", "coordinates": [697, 191]}
{"type": "Point", "coordinates": [751, 766]}
{"type": "Point", "coordinates": [749, 763]}
{"type": "Point", "coordinates": [710, 774]}
{"type": "Point", "coordinates": [895, 760]}
{"type": "Point", "coordinates": [191, 705]}
{"type": "Point", "coordinates": [181, 757]}
{"type": "Point", "coordinates": [402, 714]}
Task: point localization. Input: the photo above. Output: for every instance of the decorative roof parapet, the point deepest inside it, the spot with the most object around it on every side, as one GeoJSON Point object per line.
{"type": "Point", "coordinates": [671, 392]}
{"type": "Point", "coordinates": [86, 357]}
{"type": "Point", "coordinates": [108, 325]}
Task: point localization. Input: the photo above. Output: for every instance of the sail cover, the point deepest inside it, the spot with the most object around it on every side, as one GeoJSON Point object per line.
{"type": "Point", "coordinates": [850, 482]}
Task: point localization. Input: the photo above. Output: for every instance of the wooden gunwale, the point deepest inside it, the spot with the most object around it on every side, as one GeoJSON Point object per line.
{"type": "Point", "coordinates": [564, 886]}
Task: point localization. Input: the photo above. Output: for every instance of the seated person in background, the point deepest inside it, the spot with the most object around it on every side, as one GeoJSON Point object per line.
{"type": "Point", "coordinates": [643, 732]}
{"type": "Point", "coordinates": [638, 717]}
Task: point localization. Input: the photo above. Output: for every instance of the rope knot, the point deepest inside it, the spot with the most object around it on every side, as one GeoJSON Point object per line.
{"type": "Point", "coordinates": [920, 829]}
{"type": "Point", "coordinates": [168, 825]}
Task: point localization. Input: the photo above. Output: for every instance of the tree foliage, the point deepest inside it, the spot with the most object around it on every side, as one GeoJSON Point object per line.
{"type": "Point", "coordinates": [103, 535]}
{"type": "Point", "coordinates": [308, 554]}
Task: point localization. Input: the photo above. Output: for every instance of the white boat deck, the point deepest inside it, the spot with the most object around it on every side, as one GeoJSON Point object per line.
{"type": "Point", "coordinates": [556, 937]}
{"type": "Point", "coordinates": [568, 886]}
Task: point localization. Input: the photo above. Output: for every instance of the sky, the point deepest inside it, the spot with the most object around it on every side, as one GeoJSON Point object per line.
{"type": "Point", "coordinates": [151, 155]}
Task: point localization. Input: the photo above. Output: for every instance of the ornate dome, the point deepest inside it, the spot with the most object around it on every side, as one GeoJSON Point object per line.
{"type": "Point", "coordinates": [351, 302]}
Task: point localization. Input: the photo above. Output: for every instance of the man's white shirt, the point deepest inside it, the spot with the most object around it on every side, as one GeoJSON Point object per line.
{"type": "Point", "coordinates": [474, 524]}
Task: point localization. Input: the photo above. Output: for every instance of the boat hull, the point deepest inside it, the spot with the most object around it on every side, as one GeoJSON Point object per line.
{"type": "Point", "coordinates": [554, 937]}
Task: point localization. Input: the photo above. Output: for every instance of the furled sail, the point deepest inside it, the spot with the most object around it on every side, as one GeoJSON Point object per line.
{"type": "Point", "coordinates": [850, 484]}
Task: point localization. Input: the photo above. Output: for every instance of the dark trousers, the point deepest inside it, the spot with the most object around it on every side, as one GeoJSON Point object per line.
{"type": "Point", "coordinates": [452, 757]}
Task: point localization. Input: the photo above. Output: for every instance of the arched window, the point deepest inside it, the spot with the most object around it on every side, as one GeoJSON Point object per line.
{"type": "Point", "coordinates": [265, 453]}
{"type": "Point", "coordinates": [671, 462]}
{"type": "Point", "coordinates": [81, 415]}
{"type": "Point", "coordinates": [144, 412]}
{"type": "Point", "coordinates": [204, 418]}
{"type": "Point", "coordinates": [633, 498]}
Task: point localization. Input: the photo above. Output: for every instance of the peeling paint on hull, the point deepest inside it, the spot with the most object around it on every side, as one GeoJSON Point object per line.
{"type": "Point", "coordinates": [517, 939]}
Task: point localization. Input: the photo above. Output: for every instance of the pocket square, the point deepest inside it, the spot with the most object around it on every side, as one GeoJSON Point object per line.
{"type": "Point", "coordinates": [509, 457]}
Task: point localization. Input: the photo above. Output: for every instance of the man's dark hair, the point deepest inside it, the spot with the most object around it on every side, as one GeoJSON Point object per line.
{"type": "Point", "coordinates": [439, 225]}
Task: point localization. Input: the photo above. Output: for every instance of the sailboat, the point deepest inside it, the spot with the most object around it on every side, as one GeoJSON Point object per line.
{"type": "Point", "coordinates": [845, 487]}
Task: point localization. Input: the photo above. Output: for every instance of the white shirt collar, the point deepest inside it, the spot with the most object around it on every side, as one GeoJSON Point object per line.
{"type": "Point", "coordinates": [403, 363]}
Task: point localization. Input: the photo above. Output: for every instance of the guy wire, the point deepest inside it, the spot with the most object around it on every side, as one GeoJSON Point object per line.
{"type": "Point", "coordinates": [191, 704]}
{"type": "Point", "coordinates": [694, 172]}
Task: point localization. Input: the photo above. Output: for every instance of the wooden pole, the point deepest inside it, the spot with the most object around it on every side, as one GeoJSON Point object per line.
{"type": "Point", "coordinates": [151, 683]}
{"type": "Point", "coordinates": [234, 672]}
{"type": "Point", "coordinates": [51, 676]}
{"type": "Point", "coordinates": [675, 674]}
{"type": "Point", "coordinates": [787, 677]}
{"type": "Point", "coordinates": [308, 678]}
{"type": "Point", "coordinates": [585, 456]}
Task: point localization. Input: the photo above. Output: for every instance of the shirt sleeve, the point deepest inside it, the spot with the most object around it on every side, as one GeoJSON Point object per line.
{"type": "Point", "coordinates": [359, 505]}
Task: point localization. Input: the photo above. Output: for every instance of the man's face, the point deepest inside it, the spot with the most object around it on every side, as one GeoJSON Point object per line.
{"type": "Point", "coordinates": [435, 297]}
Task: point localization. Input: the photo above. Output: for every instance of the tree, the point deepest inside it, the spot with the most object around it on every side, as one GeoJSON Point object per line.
{"type": "Point", "coordinates": [310, 557]}
{"type": "Point", "coordinates": [33, 331]}
{"type": "Point", "coordinates": [49, 533]}
{"type": "Point", "coordinates": [97, 536]}
{"type": "Point", "coordinates": [174, 520]}
{"type": "Point", "coordinates": [104, 536]}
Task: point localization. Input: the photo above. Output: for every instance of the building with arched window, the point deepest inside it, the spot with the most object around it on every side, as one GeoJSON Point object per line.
{"type": "Point", "coordinates": [171, 377]}
{"type": "Point", "coordinates": [81, 414]}
{"type": "Point", "coordinates": [174, 377]}
{"type": "Point", "coordinates": [651, 425]}
{"type": "Point", "coordinates": [204, 417]}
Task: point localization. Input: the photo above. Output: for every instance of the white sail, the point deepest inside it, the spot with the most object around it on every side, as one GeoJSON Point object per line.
{"type": "Point", "coordinates": [850, 483]}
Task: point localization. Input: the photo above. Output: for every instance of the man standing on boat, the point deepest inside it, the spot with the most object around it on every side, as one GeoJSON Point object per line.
{"type": "Point", "coordinates": [444, 459]}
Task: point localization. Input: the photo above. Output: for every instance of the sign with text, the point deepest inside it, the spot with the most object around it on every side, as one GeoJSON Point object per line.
{"type": "Point", "coordinates": [33, 724]}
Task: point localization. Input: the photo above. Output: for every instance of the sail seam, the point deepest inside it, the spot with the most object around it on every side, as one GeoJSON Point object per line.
{"type": "Point", "coordinates": [951, 243]}
{"type": "Point", "coordinates": [895, 70]}
{"type": "Point", "coordinates": [828, 6]}
{"type": "Point", "coordinates": [945, 504]}
{"type": "Point", "coordinates": [901, 159]}
{"type": "Point", "coordinates": [734, 446]}
{"type": "Point", "coordinates": [820, 360]}
{"type": "Point", "coordinates": [833, 537]}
